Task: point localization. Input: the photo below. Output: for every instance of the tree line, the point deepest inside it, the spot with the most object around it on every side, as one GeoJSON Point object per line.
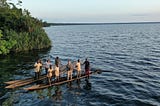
{"type": "Point", "coordinates": [19, 31]}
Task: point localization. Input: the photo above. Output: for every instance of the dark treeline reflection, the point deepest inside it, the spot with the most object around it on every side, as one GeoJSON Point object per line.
{"type": "Point", "coordinates": [16, 64]}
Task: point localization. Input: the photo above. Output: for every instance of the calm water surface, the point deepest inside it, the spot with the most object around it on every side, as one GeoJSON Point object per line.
{"type": "Point", "coordinates": [129, 52]}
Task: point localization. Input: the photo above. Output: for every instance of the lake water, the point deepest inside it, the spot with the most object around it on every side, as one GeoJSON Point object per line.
{"type": "Point", "coordinates": [128, 53]}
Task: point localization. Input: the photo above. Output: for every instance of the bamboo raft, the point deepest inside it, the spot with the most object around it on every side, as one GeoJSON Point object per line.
{"type": "Point", "coordinates": [61, 81]}
{"type": "Point", "coordinates": [19, 83]}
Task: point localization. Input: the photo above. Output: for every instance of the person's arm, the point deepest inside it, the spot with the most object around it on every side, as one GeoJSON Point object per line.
{"type": "Point", "coordinates": [60, 62]}
{"type": "Point", "coordinates": [76, 65]}
{"type": "Point", "coordinates": [35, 65]}
{"type": "Point", "coordinates": [83, 62]}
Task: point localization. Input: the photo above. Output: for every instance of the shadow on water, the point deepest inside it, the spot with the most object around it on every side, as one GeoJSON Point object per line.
{"type": "Point", "coordinates": [58, 94]}
{"type": "Point", "coordinates": [55, 95]}
{"type": "Point", "coordinates": [62, 96]}
{"type": "Point", "coordinates": [16, 64]}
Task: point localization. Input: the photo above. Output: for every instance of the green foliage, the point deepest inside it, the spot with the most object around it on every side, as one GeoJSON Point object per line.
{"type": "Point", "coordinates": [5, 46]}
{"type": "Point", "coordinates": [20, 30]}
{"type": "Point", "coordinates": [29, 41]}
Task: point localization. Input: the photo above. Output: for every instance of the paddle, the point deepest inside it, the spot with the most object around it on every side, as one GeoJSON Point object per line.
{"type": "Point", "coordinates": [106, 71]}
{"type": "Point", "coordinates": [99, 71]}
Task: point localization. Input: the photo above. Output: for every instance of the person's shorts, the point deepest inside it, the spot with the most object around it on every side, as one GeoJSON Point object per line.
{"type": "Point", "coordinates": [87, 71]}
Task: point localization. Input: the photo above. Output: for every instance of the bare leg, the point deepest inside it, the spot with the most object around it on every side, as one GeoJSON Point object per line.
{"type": "Point", "coordinates": [77, 73]}
{"type": "Point", "coordinates": [49, 80]}
{"type": "Point", "coordinates": [80, 73]}
{"type": "Point", "coordinates": [71, 74]}
{"type": "Point", "coordinates": [68, 75]}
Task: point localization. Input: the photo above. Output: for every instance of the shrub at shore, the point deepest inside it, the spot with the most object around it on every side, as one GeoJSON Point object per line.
{"type": "Point", "coordinates": [19, 31]}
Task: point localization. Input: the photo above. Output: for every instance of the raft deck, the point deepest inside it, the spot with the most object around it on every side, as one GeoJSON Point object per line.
{"type": "Point", "coordinates": [61, 81]}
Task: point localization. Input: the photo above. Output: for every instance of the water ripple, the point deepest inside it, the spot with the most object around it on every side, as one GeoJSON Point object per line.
{"type": "Point", "coordinates": [130, 53]}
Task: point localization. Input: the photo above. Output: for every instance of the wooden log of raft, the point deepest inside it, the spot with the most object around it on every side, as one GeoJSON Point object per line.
{"type": "Point", "coordinates": [18, 83]}
{"type": "Point", "coordinates": [25, 82]}
{"type": "Point", "coordinates": [22, 81]}
{"type": "Point", "coordinates": [61, 81]}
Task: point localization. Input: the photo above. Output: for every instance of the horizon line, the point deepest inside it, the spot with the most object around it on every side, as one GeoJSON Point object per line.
{"type": "Point", "coordinates": [98, 23]}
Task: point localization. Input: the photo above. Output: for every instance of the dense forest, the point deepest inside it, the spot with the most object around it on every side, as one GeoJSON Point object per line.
{"type": "Point", "coordinates": [19, 31]}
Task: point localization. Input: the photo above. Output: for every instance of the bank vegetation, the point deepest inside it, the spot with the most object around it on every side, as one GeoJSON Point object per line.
{"type": "Point", "coordinates": [19, 31]}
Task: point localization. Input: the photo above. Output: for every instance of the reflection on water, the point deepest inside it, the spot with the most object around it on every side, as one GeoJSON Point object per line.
{"type": "Point", "coordinates": [46, 97]}
{"type": "Point", "coordinates": [58, 94]}
{"type": "Point", "coordinates": [87, 85]}
{"type": "Point", "coordinates": [54, 93]}
{"type": "Point", "coordinates": [130, 51]}
{"type": "Point", "coordinates": [40, 94]}
{"type": "Point", "coordinates": [18, 66]}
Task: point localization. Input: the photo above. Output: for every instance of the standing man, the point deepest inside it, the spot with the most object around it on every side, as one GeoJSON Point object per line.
{"type": "Point", "coordinates": [47, 65]}
{"type": "Point", "coordinates": [69, 70]}
{"type": "Point", "coordinates": [38, 66]}
{"type": "Point", "coordinates": [50, 74]}
{"type": "Point", "coordinates": [78, 68]}
{"type": "Point", "coordinates": [87, 67]}
{"type": "Point", "coordinates": [57, 61]}
{"type": "Point", "coordinates": [57, 72]}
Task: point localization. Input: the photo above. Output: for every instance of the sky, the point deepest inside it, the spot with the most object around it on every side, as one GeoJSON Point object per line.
{"type": "Point", "coordinates": [94, 11]}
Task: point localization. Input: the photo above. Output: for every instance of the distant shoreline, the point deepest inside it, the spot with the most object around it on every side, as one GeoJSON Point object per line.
{"type": "Point", "coordinates": [61, 24]}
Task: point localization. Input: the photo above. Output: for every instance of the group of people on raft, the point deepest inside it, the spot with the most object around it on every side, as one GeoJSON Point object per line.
{"type": "Point", "coordinates": [54, 70]}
